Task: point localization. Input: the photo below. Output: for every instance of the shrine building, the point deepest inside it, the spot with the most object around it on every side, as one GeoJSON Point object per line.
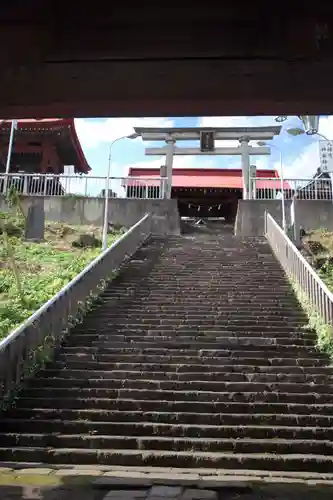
{"type": "Point", "coordinates": [40, 147]}
{"type": "Point", "coordinates": [202, 192]}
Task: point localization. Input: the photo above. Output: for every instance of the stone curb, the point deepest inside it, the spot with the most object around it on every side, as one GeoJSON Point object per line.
{"type": "Point", "coordinates": [121, 476]}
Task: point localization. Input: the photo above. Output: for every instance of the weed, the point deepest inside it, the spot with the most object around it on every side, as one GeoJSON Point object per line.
{"type": "Point", "coordinates": [41, 270]}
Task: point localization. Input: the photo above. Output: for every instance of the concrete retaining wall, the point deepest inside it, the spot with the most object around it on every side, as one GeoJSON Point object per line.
{"type": "Point", "coordinates": [250, 219]}
{"type": "Point", "coordinates": [90, 211]}
{"type": "Point", "coordinates": [314, 214]}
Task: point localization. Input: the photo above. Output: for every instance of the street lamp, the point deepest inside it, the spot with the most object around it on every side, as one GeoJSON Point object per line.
{"type": "Point", "coordinates": [264, 143]}
{"type": "Point", "coordinates": [310, 123]}
{"type": "Point", "coordinates": [299, 131]}
{"type": "Point", "coordinates": [106, 203]}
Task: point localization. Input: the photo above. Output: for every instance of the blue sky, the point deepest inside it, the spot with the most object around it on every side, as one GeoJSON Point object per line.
{"type": "Point", "coordinates": [300, 154]}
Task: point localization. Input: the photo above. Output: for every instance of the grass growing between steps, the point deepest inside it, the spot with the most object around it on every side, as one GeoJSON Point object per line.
{"type": "Point", "coordinates": [40, 269]}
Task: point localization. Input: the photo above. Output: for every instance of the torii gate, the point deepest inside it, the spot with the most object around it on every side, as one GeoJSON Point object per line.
{"type": "Point", "coordinates": [207, 138]}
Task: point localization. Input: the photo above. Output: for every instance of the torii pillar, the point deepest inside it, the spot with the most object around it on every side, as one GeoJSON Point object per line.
{"type": "Point", "coordinates": [169, 165]}
{"type": "Point", "coordinates": [245, 156]}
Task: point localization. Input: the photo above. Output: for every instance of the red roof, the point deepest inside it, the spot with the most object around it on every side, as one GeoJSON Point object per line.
{"type": "Point", "coordinates": [55, 124]}
{"type": "Point", "coordinates": [206, 178]}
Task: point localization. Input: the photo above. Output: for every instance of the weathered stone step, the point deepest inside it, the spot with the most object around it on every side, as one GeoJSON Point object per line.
{"type": "Point", "coordinates": [177, 282]}
{"type": "Point", "coordinates": [188, 326]}
{"type": "Point", "coordinates": [57, 398]}
{"type": "Point", "coordinates": [78, 362]}
{"type": "Point", "coordinates": [193, 444]}
{"type": "Point", "coordinates": [190, 320]}
{"type": "Point", "coordinates": [160, 429]}
{"type": "Point", "coordinates": [171, 397]}
{"type": "Point", "coordinates": [132, 335]}
{"type": "Point", "coordinates": [246, 351]}
{"type": "Point", "coordinates": [212, 311]}
{"type": "Point", "coordinates": [53, 378]}
{"type": "Point", "coordinates": [183, 287]}
{"type": "Point", "coordinates": [193, 377]}
{"type": "Point", "coordinates": [157, 295]}
{"type": "Point", "coordinates": [196, 318]}
{"type": "Point", "coordinates": [222, 342]}
{"type": "Point", "coordinates": [178, 340]}
{"type": "Point", "coordinates": [87, 353]}
{"type": "Point", "coordinates": [155, 458]}
{"type": "Point", "coordinates": [167, 417]}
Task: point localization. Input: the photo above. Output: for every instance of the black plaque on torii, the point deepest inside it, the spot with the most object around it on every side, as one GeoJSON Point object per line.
{"type": "Point", "coordinates": [207, 140]}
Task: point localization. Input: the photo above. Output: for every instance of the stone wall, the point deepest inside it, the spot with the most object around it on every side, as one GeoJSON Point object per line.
{"type": "Point", "coordinates": [90, 211]}
{"type": "Point", "coordinates": [250, 219]}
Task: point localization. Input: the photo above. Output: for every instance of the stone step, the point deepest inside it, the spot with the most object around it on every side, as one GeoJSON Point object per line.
{"type": "Point", "coordinates": [212, 312]}
{"type": "Point", "coordinates": [53, 378]}
{"type": "Point", "coordinates": [137, 336]}
{"type": "Point", "coordinates": [87, 353]}
{"type": "Point", "coordinates": [197, 318]}
{"type": "Point", "coordinates": [156, 458]}
{"type": "Point", "coordinates": [190, 326]}
{"type": "Point", "coordinates": [101, 400]}
{"type": "Point", "coordinates": [94, 428]}
{"type": "Point", "coordinates": [178, 397]}
{"type": "Point", "coordinates": [175, 344]}
{"type": "Point", "coordinates": [189, 444]}
{"type": "Point", "coordinates": [246, 351]}
{"type": "Point", "coordinates": [167, 417]}
{"type": "Point", "coordinates": [193, 377]}
{"type": "Point", "coordinates": [78, 362]}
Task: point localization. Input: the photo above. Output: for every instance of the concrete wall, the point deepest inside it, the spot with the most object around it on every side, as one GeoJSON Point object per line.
{"type": "Point", "coordinates": [250, 219]}
{"type": "Point", "coordinates": [89, 211]}
{"type": "Point", "coordinates": [314, 214]}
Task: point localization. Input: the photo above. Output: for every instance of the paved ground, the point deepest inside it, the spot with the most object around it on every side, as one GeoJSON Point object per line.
{"type": "Point", "coordinates": [30, 492]}
{"type": "Point", "coordinates": [123, 483]}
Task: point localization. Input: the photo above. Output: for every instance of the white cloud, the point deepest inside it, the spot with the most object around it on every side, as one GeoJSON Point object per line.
{"type": "Point", "coordinates": [93, 133]}
{"type": "Point", "coordinates": [306, 164]}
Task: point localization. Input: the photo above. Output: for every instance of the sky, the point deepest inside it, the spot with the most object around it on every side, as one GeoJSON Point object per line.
{"type": "Point", "coordinates": [300, 155]}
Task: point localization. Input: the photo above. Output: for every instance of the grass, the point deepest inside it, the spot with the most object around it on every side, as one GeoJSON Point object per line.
{"type": "Point", "coordinates": [43, 268]}
{"type": "Point", "coordinates": [319, 244]}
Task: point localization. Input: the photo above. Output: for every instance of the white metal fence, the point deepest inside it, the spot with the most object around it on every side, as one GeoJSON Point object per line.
{"type": "Point", "coordinates": [83, 185]}
{"type": "Point", "coordinates": [304, 189]}
{"type": "Point", "coordinates": [299, 270]}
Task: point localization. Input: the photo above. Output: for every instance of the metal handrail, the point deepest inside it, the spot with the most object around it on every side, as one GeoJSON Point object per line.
{"type": "Point", "coordinates": [299, 270]}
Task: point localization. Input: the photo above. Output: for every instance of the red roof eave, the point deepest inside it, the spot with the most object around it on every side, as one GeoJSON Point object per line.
{"type": "Point", "coordinates": [212, 178]}
{"type": "Point", "coordinates": [49, 123]}
{"type": "Point", "coordinates": [77, 146]}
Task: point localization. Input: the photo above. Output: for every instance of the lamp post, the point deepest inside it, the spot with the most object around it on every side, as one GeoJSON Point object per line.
{"type": "Point", "coordinates": [298, 131]}
{"type": "Point", "coordinates": [106, 203]}
{"type": "Point", "coordinates": [310, 123]}
{"type": "Point", "coordinates": [284, 223]}
{"type": "Point", "coordinates": [10, 150]}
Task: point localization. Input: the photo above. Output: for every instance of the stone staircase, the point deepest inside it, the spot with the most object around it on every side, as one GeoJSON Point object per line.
{"type": "Point", "coordinates": [196, 356]}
